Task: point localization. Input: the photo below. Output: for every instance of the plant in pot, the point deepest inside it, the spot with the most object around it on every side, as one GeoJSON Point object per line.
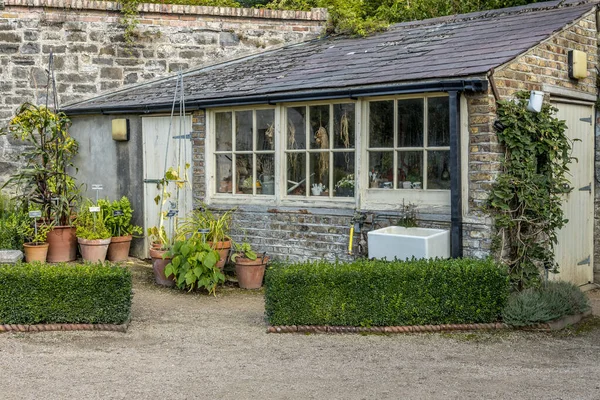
{"type": "Point", "coordinates": [249, 266]}
{"type": "Point", "coordinates": [44, 180]}
{"type": "Point", "coordinates": [194, 265]}
{"type": "Point", "coordinates": [36, 249]}
{"type": "Point", "coordinates": [117, 218]}
{"type": "Point", "coordinates": [14, 223]}
{"type": "Point", "coordinates": [92, 234]}
{"type": "Point", "coordinates": [218, 226]}
{"type": "Point", "coordinates": [345, 186]}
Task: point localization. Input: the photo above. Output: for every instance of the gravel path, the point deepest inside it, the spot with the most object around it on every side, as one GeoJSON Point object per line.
{"type": "Point", "coordinates": [191, 346]}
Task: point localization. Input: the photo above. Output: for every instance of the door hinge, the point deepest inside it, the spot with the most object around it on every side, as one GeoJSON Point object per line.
{"type": "Point", "coordinates": [584, 262]}
{"type": "Point", "coordinates": [188, 136]}
{"type": "Point", "coordinates": [587, 188]}
{"type": "Point", "coordinates": [152, 180]}
{"type": "Point", "coordinates": [588, 120]}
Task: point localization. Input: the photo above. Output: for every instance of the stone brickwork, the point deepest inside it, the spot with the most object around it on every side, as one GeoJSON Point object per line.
{"type": "Point", "coordinates": [91, 56]}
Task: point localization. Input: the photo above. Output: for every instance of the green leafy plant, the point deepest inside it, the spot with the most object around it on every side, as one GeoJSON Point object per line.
{"type": "Point", "coordinates": [527, 196]}
{"type": "Point", "coordinates": [37, 236]}
{"type": "Point", "coordinates": [44, 180]}
{"type": "Point", "coordinates": [218, 225]}
{"type": "Point", "coordinates": [380, 293]}
{"type": "Point", "coordinates": [194, 265]}
{"type": "Point", "coordinates": [90, 225]}
{"type": "Point", "coordinates": [346, 182]}
{"type": "Point", "coordinates": [119, 224]}
{"type": "Point", "coordinates": [64, 293]}
{"type": "Point", "coordinates": [14, 223]}
{"type": "Point", "coordinates": [409, 215]}
{"type": "Point", "coordinates": [538, 305]}
{"type": "Point", "coordinates": [243, 250]}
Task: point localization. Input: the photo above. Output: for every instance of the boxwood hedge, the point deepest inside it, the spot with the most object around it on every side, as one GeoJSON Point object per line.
{"type": "Point", "coordinates": [380, 293]}
{"type": "Point", "coordinates": [61, 293]}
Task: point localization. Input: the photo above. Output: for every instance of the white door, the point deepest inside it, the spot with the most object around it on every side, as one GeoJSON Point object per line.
{"type": "Point", "coordinates": [575, 249]}
{"type": "Point", "coordinates": [167, 143]}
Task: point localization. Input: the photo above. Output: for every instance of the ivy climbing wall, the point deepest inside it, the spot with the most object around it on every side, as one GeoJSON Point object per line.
{"type": "Point", "coordinates": [91, 55]}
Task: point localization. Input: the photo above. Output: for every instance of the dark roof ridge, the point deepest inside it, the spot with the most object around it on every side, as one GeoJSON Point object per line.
{"type": "Point", "coordinates": [499, 12]}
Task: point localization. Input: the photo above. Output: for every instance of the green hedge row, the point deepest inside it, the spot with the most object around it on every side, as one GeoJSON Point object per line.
{"type": "Point", "coordinates": [380, 293]}
{"type": "Point", "coordinates": [61, 293]}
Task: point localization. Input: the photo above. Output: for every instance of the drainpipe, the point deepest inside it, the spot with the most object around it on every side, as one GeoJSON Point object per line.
{"type": "Point", "coordinates": [456, 245]}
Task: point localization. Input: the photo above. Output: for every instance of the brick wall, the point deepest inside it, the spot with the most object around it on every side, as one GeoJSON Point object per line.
{"type": "Point", "coordinates": [90, 54]}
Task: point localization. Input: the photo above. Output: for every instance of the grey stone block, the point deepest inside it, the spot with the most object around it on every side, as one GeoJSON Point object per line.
{"type": "Point", "coordinates": [10, 256]}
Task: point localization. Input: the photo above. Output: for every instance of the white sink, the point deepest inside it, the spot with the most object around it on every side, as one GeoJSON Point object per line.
{"type": "Point", "coordinates": [402, 243]}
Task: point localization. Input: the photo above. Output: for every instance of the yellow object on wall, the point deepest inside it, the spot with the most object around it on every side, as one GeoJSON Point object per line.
{"type": "Point", "coordinates": [120, 129]}
{"type": "Point", "coordinates": [577, 64]}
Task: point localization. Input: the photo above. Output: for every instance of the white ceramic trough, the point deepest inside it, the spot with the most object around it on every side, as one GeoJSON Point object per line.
{"type": "Point", "coordinates": [402, 243]}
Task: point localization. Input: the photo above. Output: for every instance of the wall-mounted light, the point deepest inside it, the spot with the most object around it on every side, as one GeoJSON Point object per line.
{"type": "Point", "coordinates": [536, 99]}
{"type": "Point", "coordinates": [120, 129]}
{"type": "Point", "coordinates": [577, 64]}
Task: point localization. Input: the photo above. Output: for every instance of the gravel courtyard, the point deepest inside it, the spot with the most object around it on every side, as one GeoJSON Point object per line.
{"type": "Point", "coordinates": [191, 346]}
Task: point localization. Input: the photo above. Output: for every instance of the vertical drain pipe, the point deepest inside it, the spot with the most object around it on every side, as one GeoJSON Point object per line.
{"type": "Point", "coordinates": [456, 241]}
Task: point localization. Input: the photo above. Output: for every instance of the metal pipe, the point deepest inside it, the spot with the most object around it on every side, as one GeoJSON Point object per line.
{"type": "Point", "coordinates": [456, 245]}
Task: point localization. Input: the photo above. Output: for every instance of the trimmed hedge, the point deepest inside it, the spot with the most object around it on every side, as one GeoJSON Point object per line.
{"type": "Point", "coordinates": [380, 293]}
{"type": "Point", "coordinates": [539, 305]}
{"type": "Point", "coordinates": [61, 293]}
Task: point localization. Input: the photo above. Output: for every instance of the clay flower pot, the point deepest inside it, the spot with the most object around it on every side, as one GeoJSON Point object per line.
{"type": "Point", "coordinates": [223, 250]}
{"type": "Point", "coordinates": [63, 244]}
{"type": "Point", "coordinates": [93, 250]}
{"type": "Point", "coordinates": [249, 272]}
{"type": "Point", "coordinates": [158, 265]}
{"type": "Point", "coordinates": [118, 250]}
{"type": "Point", "coordinates": [35, 252]}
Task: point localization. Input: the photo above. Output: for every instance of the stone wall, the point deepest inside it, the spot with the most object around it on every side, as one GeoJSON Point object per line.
{"type": "Point", "coordinates": [91, 56]}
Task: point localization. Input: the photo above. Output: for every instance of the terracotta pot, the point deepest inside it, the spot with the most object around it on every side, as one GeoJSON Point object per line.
{"type": "Point", "coordinates": [249, 272]}
{"type": "Point", "coordinates": [35, 252]}
{"type": "Point", "coordinates": [158, 265]}
{"type": "Point", "coordinates": [63, 244]}
{"type": "Point", "coordinates": [118, 250]}
{"type": "Point", "coordinates": [93, 250]}
{"type": "Point", "coordinates": [223, 249]}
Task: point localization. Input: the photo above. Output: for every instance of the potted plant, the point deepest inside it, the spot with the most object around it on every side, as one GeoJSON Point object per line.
{"type": "Point", "coordinates": [44, 180]}
{"type": "Point", "coordinates": [36, 249]}
{"type": "Point", "coordinates": [218, 230]}
{"type": "Point", "coordinates": [249, 267]}
{"type": "Point", "coordinates": [14, 223]}
{"type": "Point", "coordinates": [194, 265]}
{"type": "Point", "coordinates": [92, 234]}
{"type": "Point", "coordinates": [345, 186]}
{"type": "Point", "coordinates": [117, 218]}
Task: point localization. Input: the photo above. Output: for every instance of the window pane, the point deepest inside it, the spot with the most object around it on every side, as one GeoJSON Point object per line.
{"type": "Point", "coordinates": [381, 169]}
{"type": "Point", "coordinates": [319, 173]}
{"type": "Point", "coordinates": [410, 123]}
{"type": "Point", "coordinates": [410, 170]}
{"type": "Point", "coordinates": [381, 123]}
{"type": "Point", "coordinates": [243, 130]}
{"type": "Point", "coordinates": [438, 170]}
{"type": "Point", "coordinates": [223, 131]}
{"type": "Point", "coordinates": [265, 165]}
{"type": "Point", "coordinates": [296, 128]}
{"type": "Point", "coordinates": [243, 165]}
{"type": "Point", "coordinates": [265, 129]}
{"type": "Point", "coordinates": [343, 174]}
{"type": "Point", "coordinates": [296, 174]}
{"type": "Point", "coordinates": [224, 174]}
{"type": "Point", "coordinates": [343, 126]}
{"type": "Point", "coordinates": [438, 117]}
{"type": "Point", "coordinates": [319, 127]}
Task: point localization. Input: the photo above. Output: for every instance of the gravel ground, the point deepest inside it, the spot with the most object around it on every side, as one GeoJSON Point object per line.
{"type": "Point", "coordinates": [188, 346]}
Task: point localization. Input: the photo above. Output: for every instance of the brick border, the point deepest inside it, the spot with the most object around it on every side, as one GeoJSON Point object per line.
{"type": "Point", "coordinates": [63, 327]}
{"type": "Point", "coordinates": [316, 14]}
{"type": "Point", "coordinates": [387, 329]}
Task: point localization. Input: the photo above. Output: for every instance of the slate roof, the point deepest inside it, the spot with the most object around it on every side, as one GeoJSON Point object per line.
{"type": "Point", "coordinates": [444, 48]}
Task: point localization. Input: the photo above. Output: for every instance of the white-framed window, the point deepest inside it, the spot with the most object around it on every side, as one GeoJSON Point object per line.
{"type": "Point", "coordinates": [244, 155]}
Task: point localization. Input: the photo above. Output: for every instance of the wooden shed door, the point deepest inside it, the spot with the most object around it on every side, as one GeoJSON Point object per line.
{"type": "Point", "coordinates": [155, 131]}
{"type": "Point", "coordinates": [574, 252]}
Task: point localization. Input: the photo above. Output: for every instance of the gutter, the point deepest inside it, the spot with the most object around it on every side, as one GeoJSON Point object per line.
{"type": "Point", "coordinates": [470, 85]}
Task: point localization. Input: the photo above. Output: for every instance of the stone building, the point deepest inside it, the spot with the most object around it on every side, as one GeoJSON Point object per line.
{"type": "Point", "coordinates": [308, 139]}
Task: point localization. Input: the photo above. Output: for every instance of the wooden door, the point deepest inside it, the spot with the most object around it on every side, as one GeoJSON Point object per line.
{"type": "Point", "coordinates": [167, 143]}
{"type": "Point", "coordinates": [574, 251]}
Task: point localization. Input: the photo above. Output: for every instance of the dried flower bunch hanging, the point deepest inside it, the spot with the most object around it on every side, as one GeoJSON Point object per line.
{"type": "Point", "coordinates": [322, 141]}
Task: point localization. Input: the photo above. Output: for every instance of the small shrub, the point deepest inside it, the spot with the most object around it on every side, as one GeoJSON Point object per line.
{"type": "Point", "coordinates": [61, 293]}
{"type": "Point", "coordinates": [533, 306]}
{"type": "Point", "coordinates": [379, 293]}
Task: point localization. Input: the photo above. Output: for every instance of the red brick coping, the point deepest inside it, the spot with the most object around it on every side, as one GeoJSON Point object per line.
{"type": "Point", "coordinates": [386, 329]}
{"type": "Point", "coordinates": [63, 327]}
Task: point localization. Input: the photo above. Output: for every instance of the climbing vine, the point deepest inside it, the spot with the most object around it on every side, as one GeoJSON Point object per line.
{"type": "Point", "coordinates": [527, 196]}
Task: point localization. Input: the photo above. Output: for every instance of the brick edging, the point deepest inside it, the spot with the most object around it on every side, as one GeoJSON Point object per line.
{"type": "Point", "coordinates": [63, 327]}
{"type": "Point", "coordinates": [386, 329]}
{"type": "Point", "coordinates": [316, 14]}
